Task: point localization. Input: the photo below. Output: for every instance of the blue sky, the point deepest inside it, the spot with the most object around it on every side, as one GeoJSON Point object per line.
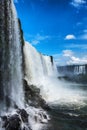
{"type": "Point", "coordinates": [56, 27]}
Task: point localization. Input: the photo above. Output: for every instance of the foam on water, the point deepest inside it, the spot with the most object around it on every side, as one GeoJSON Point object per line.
{"type": "Point", "coordinates": [36, 118]}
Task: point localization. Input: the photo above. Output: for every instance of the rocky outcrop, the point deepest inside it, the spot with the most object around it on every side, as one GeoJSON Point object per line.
{"type": "Point", "coordinates": [4, 42]}
{"type": "Point", "coordinates": [20, 119]}
{"type": "Point", "coordinates": [33, 97]}
{"type": "Point", "coordinates": [51, 57]}
{"type": "Point", "coordinates": [15, 121]}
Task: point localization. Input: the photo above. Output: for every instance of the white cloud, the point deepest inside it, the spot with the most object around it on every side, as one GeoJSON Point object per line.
{"type": "Point", "coordinates": [68, 57]}
{"type": "Point", "coordinates": [78, 3]}
{"type": "Point", "coordinates": [67, 53]}
{"type": "Point", "coordinates": [38, 38]}
{"type": "Point", "coordinates": [70, 37]}
{"type": "Point", "coordinates": [81, 36]}
{"type": "Point", "coordinates": [60, 59]}
{"type": "Point", "coordinates": [74, 59]}
{"type": "Point", "coordinates": [77, 60]}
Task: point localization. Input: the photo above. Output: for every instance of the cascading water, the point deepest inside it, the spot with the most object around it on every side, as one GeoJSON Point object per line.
{"type": "Point", "coordinates": [37, 65]}
{"type": "Point", "coordinates": [80, 69]}
{"type": "Point", "coordinates": [11, 61]}
{"type": "Point", "coordinates": [41, 72]}
{"type": "Point", "coordinates": [11, 75]}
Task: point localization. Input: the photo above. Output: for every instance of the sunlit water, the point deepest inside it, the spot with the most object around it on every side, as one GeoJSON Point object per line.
{"type": "Point", "coordinates": [67, 100]}
{"type": "Point", "coordinates": [70, 116]}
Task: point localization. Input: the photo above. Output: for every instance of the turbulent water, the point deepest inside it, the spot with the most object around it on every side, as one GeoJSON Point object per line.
{"type": "Point", "coordinates": [40, 71]}
{"type": "Point", "coordinates": [11, 62]}
{"type": "Point", "coordinates": [67, 100]}
{"type": "Point", "coordinates": [11, 75]}
{"type": "Point", "coordinates": [69, 117]}
{"type": "Point", "coordinates": [37, 65]}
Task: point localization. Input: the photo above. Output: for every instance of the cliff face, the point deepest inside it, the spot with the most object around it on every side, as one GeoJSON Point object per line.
{"type": "Point", "coordinates": [11, 55]}
{"type": "Point", "coordinates": [75, 73]}
{"type": "Point", "coordinates": [4, 41]}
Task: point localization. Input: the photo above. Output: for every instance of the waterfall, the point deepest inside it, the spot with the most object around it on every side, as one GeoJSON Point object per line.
{"type": "Point", "coordinates": [38, 66]}
{"type": "Point", "coordinates": [80, 69]}
{"type": "Point", "coordinates": [12, 94]}
{"type": "Point", "coordinates": [72, 70]}
{"type": "Point", "coordinates": [11, 85]}
{"type": "Point", "coordinates": [41, 72]}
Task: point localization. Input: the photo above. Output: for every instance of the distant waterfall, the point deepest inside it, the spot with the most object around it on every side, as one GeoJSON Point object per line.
{"type": "Point", "coordinates": [11, 85]}
{"type": "Point", "coordinates": [71, 70]}
{"type": "Point", "coordinates": [79, 69]}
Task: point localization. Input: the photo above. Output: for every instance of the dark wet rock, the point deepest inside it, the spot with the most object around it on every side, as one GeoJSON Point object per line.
{"type": "Point", "coordinates": [22, 44]}
{"type": "Point", "coordinates": [14, 121]}
{"type": "Point", "coordinates": [33, 97]}
{"type": "Point", "coordinates": [24, 115]}
{"type": "Point", "coordinates": [5, 121]}
{"type": "Point", "coordinates": [42, 118]}
{"type": "Point", "coordinates": [51, 57]}
{"type": "Point", "coordinates": [45, 116]}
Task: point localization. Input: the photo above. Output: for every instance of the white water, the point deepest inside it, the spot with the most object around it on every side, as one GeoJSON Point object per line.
{"type": "Point", "coordinates": [16, 63]}
{"type": "Point", "coordinates": [12, 72]}
{"type": "Point", "coordinates": [36, 118]}
{"type": "Point", "coordinates": [41, 73]}
{"type": "Point", "coordinates": [37, 66]}
{"type": "Point", "coordinates": [80, 69]}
